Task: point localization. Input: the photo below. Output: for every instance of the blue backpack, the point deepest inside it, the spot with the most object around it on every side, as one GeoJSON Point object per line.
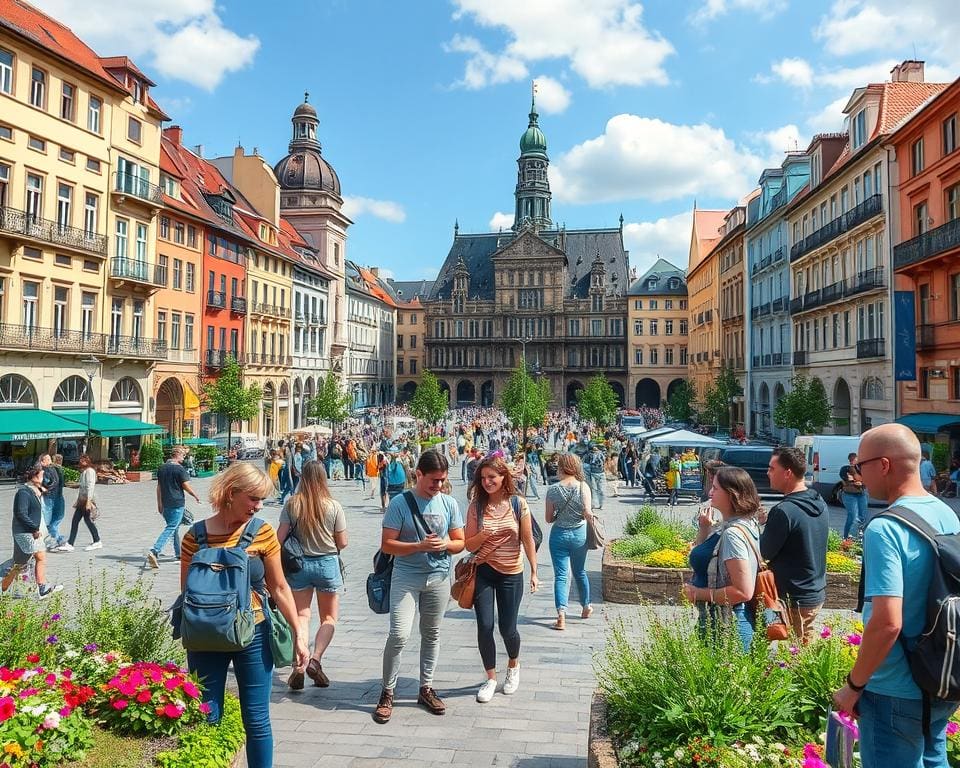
{"type": "Point", "coordinates": [396, 474]}
{"type": "Point", "coordinates": [215, 611]}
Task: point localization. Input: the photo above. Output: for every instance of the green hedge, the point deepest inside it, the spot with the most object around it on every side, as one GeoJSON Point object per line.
{"type": "Point", "coordinates": [209, 746]}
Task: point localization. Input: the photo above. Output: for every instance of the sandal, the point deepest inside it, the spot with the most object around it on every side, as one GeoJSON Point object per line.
{"type": "Point", "coordinates": [561, 622]}
{"type": "Point", "coordinates": [587, 611]}
{"type": "Point", "coordinates": [295, 681]}
{"type": "Point", "coordinates": [315, 673]}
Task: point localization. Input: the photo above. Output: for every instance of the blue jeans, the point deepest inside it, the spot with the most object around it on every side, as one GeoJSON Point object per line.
{"type": "Point", "coordinates": [253, 668]}
{"type": "Point", "coordinates": [172, 516]}
{"type": "Point", "coordinates": [52, 516]}
{"type": "Point", "coordinates": [532, 483]}
{"type": "Point", "coordinates": [568, 549]}
{"type": "Point", "coordinates": [744, 621]}
{"type": "Point", "coordinates": [856, 506]}
{"type": "Point", "coordinates": [891, 732]}
{"type": "Point", "coordinates": [597, 481]}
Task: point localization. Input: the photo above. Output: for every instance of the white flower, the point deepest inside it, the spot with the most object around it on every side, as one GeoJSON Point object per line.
{"type": "Point", "coordinates": [71, 655]}
{"type": "Point", "coordinates": [29, 673]}
{"type": "Point", "coordinates": [678, 753]}
{"type": "Point", "coordinates": [51, 721]}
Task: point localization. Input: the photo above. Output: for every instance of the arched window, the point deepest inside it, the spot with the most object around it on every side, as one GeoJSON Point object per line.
{"type": "Point", "coordinates": [872, 389]}
{"type": "Point", "coordinates": [126, 392]}
{"type": "Point", "coordinates": [72, 393]}
{"type": "Point", "coordinates": [16, 392]}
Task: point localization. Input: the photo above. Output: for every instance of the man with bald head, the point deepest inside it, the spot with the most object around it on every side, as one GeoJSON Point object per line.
{"type": "Point", "coordinates": [898, 568]}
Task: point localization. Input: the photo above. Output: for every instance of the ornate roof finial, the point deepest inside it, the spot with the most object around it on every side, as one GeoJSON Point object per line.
{"type": "Point", "coordinates": [306, 96]}
{"type": "Point", "coordinates": [456, 227]}
{"type": "Point", "coordinates": [533, 102]}
{"type": "Point", "coordinates": [621, 222]}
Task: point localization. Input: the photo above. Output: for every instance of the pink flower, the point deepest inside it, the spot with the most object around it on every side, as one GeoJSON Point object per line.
{"type": "Point", "coordinates": [794, 650]}
{"type": "Point", "coordinates": [825, 632]}
{"type": "Point", "coordinates": [143, 697]}
{"type": "Point", "coordinates": [171, 683]}
{"type": "Point", "coordinates": [172, 711]}
{"type": "Point", "coordinates": [8, 708]}
{"type": "Point", "coordinates": [952, 728]}
{"type": "Point", "coordinates": [190, 689]}
{"type": "Point", "coordinates": [854, 639]}
{"type": "Point", "coordinates": [812, 757]}
{"type": "Point", "coordinates": [205, 708]}
{"type": "Point", "coordinates": [120, 704]}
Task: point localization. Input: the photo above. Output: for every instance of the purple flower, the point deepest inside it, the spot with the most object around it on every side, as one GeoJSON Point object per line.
{"type": "Point", "coordinates": [52, 639]}
{"type": "Point", "coordinates": [56, 617]}
{"type": "Point", "coordinates": [794, 650]}
{"type": "Point", "coordinates": [854, 638]}
{"type": "Point", "coordinates": [90, 647]}
{"type": "Point", "coordinates": [825, 632]}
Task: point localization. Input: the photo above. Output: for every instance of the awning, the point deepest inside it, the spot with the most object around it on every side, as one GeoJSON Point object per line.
{"type": "Point", "coordinates": [34, 424]}
{"type": "Point", "coordinates": [683, 438]}
{"type": "Point", "coordinates": [111, 424]}
{"type": "Point", "coordinates": [929, 423]}
{"type": "Point", "coordinates": [190, 399]}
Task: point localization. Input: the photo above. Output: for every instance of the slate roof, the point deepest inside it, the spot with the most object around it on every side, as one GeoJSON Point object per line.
{"type": "Point", "coordinates": [580, 247]}
{"type": "Point", "coordinates": [663, 270]}
{"type": "Point", "coordinates": [407, 290]}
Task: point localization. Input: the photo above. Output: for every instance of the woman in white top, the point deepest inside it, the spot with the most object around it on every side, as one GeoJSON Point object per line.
{"type": "Point", "coordinates": [85, 508]}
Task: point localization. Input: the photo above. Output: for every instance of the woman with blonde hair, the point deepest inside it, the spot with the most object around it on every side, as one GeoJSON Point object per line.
{"type": "Point", "coordinates": [317, 521]}
{"type": "Point", "coordinates": [732, 568]}
{"type": "Point", "coordinates": [499, 531]}
{"type": "Point", "coordinates": [236, 496]}
{"type": "Point", "coordinates": [569, 508]}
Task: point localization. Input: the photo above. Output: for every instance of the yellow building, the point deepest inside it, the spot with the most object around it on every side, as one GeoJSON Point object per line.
{"type": "Point", "coordinates": [703, 287]}
{"type": "Point", "coordinates": [730, 260]}
{"type": "Point", "coordinates": [79, 151]}
{"type": "Point", "coordinates": [657, 327]}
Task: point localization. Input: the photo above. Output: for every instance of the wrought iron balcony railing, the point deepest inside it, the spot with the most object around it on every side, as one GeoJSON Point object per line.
{"type": "Point", "coordinates": [944, 238]}
{"type": "Point", "coordinates": [47, 231]}
{"type": "Point", "coordinates": [238, 305]}
{"type": "Point", "coordinates": [31, 337]}
{"type": "Point", "coordinates": [843, 223]}
{"type": "Point", "coordinates": [136, 346]}
{"type": "Point", "coordinates": [871, 348]}
{"type": "Point", "coordinates": [216, 299]}
{"type": "Point", "coordinates": [130, 184]}
{"type": "Point", "coordinates": [125, 268]}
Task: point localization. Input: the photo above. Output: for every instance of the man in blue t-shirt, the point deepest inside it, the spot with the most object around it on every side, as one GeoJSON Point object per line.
{"type": "Point", "coordinates": [421, 545]}
{"type": "Point", "coordinates": [898, 566]}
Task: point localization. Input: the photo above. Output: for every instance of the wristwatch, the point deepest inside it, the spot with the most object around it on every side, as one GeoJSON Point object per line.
{"type": "Point", "coordinates": [853, 686]}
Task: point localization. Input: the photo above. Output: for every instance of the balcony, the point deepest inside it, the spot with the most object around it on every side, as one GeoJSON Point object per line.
{"type": "Point", "coordinates": [215, 358]}
{"type": "Point", "coordinates": [767, 360]}
{"type": "Point", "coordinates": [832, 292]}
{"type": "Point", "coordinates": [811, 299]}
{"type": "Point", "coordinates": [843, 223]}
{"type": "Point", "coordinates": [796, 305]}
{"type": "Point", "coordinates": [34, 338]}
{"type": "Point", "coordinates": [778, 255]}
{"type": "Point", "coordinates": [870, 348]}
{"type": "Point", "coordinates": [44, 231]}
{"type": "Point", "coordinates": [926, 336]}
{"type": "Point", "coordinates": [870, 280]}
{"type": "Point", "coordinates": [238, 305]}
{"type": "Point", "coordinates": [778, 305]}
{"type": "Point", "coordinates": [136, 272]}
{"type": "Point", "coordinates": [129, 185]}
{"type": "Point", "coordinates": [800, 358]}
{"type": "Point", "coordinates": [136, 346]}
{"type": "Point", "coordinates": [940, 240]}
{"type": "Point", "coordinates": [756, 361]}
{"type": "Point", "coordinates": [216, 299]}
{"type": "Point", "coordinates": [765, 262]}
{"type": "Point", "coordinates": [270, 310]}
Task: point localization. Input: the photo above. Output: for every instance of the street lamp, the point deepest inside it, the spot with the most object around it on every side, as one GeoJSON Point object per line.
{"type": "Point", "coordinates": [523, 341]}
{"type": "Point", "coordinates": [91, 366]}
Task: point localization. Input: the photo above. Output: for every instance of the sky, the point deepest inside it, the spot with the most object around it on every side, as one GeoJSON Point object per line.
{"type": "Point", "coordinates": [648, 108]}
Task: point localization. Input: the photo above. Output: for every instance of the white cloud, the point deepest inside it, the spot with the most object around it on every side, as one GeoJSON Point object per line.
{"type": "Point", "coordinates": [667, 237]}
{"type": "Point", "coordinates": [778, 141]}
{"type": "Point", "coordinates": [552, 97]}
{"type": "Point", "coordinates": [830, 118]}
{"type": "Point", "coordinates": [604, 41]}
{"type": "Point", "coordinates": [796, 72]}
{"type": "Point", "coordinates": [182, 39]}
{"type": "Point", "coordinates": [712, 9]}
{"type": "Point", "coordinates": [646, 158]}
{"type": "Point", "coordinates": [381, 209]}
{"type": "Point", "coordinates": [501, 220]}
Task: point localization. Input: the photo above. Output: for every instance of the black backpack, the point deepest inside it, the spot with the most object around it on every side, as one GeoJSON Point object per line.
{"type": "Point", "coordinates": [379, 581]}
{"type": "Point", "coordinates": [935, 658]}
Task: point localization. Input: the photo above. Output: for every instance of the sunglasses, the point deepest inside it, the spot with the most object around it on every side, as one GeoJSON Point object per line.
{"type": "Point", "coordinates": [859, 465]}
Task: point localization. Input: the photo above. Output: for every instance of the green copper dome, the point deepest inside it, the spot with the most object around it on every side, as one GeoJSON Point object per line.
{"type": "Point", "coordinates": [533, 141]}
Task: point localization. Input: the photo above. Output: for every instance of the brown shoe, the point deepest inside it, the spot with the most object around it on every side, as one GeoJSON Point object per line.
{"type": "Point", "coordinates": [430, 701]}
{"type": "Point", "coordinates": [384, 707]}
{"type": "Point", "coordinates": [295, 681]}
{"type": "Point", "coordinates": [315, 673]}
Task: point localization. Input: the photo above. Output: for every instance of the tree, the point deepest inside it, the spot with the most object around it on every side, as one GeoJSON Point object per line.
{"type": "Point", "coordinates": [331, 403]}
{"type": "Point", "coordinates": [227, 396]}
{"type": "Point", "coordinates": [597, 401]}
{"type": "Point", "coordinates": [804, 408]}
{"type": "Point", "coordinates": [524, 400]}
{"type": "Point", "coordinates": [719, 397]}
{"type": "Point", "coordinates": [429, 402]}
{"type": "Point", "coordinates": [679, 406]}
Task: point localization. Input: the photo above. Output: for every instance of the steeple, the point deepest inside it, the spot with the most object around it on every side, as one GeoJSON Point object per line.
{"type": "Point", "coordinates": [305, 124]}
{"type": "Point", "coordinates": [533, 187]}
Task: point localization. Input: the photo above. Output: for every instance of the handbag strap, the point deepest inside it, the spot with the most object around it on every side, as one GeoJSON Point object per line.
{"type": "Point", "coordinates": [416, 514]}
{"type": "Point", "coordinates": [761, 565]}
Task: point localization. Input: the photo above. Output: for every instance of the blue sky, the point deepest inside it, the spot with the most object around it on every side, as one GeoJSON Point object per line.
{"type": "Point", "coordinates": [646, 106]}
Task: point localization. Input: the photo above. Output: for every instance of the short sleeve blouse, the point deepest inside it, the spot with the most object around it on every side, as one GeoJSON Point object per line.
{"type": "Point", "coordinates": [567, 502]}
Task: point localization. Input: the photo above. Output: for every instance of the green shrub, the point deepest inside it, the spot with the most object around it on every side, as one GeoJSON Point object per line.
{"type": "Point", "coordinates": [25, 626]}
{"type": "Point", "coordinates": [70, 475]}
{"type": "Point", "coordinates": [674, 685]}
{"type": "Point", "coordinates": [670, 535]}
{"type": "Point", "coordinates": [834, 540]}
{"type": "Point", "coordinates": [940, 456]}
{"type": "Point", "coordinates": [640, 519]}
{"type": "Point", "coordinates": [151, 455]}
{"type": "Point", "coordinates": [208, 746]}
{"type": "Point", "coordinates": [633, 548]}
{"type": "Point", "coordinates": [120, 615]}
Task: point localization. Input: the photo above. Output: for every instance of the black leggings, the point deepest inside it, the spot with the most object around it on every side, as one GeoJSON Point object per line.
{"type": "Point", "coordinates": [508, 591]}
{"type": "Point", "coordinates": [81, 513]}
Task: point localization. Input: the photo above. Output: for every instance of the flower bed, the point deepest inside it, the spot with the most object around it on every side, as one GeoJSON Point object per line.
{"type": "Point", "coordinates": [60, 691]}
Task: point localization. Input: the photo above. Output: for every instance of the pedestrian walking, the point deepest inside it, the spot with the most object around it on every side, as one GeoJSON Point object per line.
{"type": "Point", "coordinates": [317, 521]}
{"type": "Point", "coordinates": [899, 724]}
{"type": "Point", "coordinates": [568, 507]}
{"type": "Point", "coordinates": [928, 473]}
{"type": "Point", "coordinates": [53, 503]}
{"type": "Point", "coordinates": [499, 532]}
{"type": "Point", "coordinates": [173, 483]}
{"type": "Point", "coordinates": [85, 508]}
{"type": "Point", "coordinates": [236, 496]}
{"type": "Point", "coordinates": [371, 469]}
{"type": "Point", "coordinates": [854, 496]}
{"type": "Point", "coordinates": [421, 529]}
{"type": "Point", "coordinates": [27, 528]}
{"type": "Point", "coordinates": [596, 473]}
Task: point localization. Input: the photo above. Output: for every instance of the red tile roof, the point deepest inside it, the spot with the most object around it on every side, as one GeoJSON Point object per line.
{"type": "Point", "coordinates": [373, 285]}
{"type": "Point", "coordinates": [900, 100]}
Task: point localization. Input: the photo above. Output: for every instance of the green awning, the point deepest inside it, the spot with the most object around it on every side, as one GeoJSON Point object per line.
{"type": "Point", "coordinates": [929, 423]}
{"type": "Point", "coordinates": [111, 424]}
{"type": "Point", "coordinates": [35, 424]}
{"type": "Point", "coordinates": [190, 441]}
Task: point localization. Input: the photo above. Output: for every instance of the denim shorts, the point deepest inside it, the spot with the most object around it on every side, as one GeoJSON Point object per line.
{"type": "Point", "coordinates": [321, 573]}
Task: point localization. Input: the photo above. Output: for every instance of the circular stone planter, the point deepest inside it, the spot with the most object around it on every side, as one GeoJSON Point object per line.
{"type": "Point", "coordinates": [632, 583]}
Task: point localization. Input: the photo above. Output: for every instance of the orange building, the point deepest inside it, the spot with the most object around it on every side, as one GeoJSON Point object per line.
{"type": "Point", "coordinates": [703, 289]}
{"type": "Point", "coordinates": [926, 260]}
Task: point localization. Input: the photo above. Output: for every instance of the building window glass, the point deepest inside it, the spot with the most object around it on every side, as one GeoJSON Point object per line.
{"type": "Point", "coordinates": [88, 305]}
{"type": "Point", "coordinates": [175, 318]}
{"type": "Point", "coordinates": [141, 242]}
{"type": "Point", "coordinates": [916, 157]}
{"type": "Point", "coordinates": [955, 296]}
{"type": "Point", "coordinates": [949, 134]}
{"type": "Point", "coordinates": [90, 205]}
{"type": "Point", "coordinates": [31, 295]}
{"type": "Point", "coordinates": [859, 128]}
{"type": "Point", "coordinates": [190, 280]}
{"type": "Point", "coordinates": [178, 275]}
{"type": "Point", "coordinates": [121, 238]}
{"type": "Point", "coordinates": [953, 202]}
{"type": "Point", "coordinates": [64, 203]}
{"type": "Point", "coordinates": [59, 310]}
{"type": "Point", "coordinates": [920, 218]}
{"type": "Point", "coordinates": [38, 87]}
{"type": "Point", "coordinates": [134, 130]}
{"type": "Point", "coordinates": [94, 111]}
{"type": "Point", "coordinates": [188, 332]}
{"type": "Point", "coordinates": [6, 71]}
{"type": "Point", "coordinates": [34, 197]}
{"type": "Point", "coordinates": [67, 96]}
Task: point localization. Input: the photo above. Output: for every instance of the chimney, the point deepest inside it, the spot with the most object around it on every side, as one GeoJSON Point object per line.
{"type": "Point", "coordinates": [175, 134]}
{"type": "Point", "coordinates": [375, 271]}
{"type": "Point", "coordinates": [909, 71]}
{"type": "Point", "coordinates": [198, 150]}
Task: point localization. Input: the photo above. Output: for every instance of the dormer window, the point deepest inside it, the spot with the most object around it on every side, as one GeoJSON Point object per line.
{"type": "Point", "coordinates": [169, 185]}
{"type": "Point", "coordinates": [651, 284]}
{"type": "Point", "coordinates": [674, 283]}
{"type": "Point", "coordinates": [860, 129]}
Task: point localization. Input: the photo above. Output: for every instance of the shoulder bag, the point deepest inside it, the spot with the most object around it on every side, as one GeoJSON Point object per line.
{"type": "Point", "coordinates": [765, 595]}
{"type": "Point", "coordinates": [291, 552]}
{"type": "Point", "coordinates": [379, 580]}
{"type": "Point", "coordinates": [465, 574]}
{"type": "Point", "coordinates": [281, 634]}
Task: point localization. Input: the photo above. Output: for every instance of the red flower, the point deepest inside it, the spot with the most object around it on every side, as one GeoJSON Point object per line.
{"type": "Point", "coordinates": [33, 658]}
{"type": "Point", "coordinates": [120, 704]}
{"type": "Point", "coordinates": [190, 689]}
{"type": "Point", "coordinates": [143, 697]}
{"type": "Point", "coordinates": [172, 711]}
{"type": "Point", "coordinates": [7, 708]}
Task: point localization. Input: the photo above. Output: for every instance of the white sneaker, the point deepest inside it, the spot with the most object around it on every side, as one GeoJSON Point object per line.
{"type": "Point", "coordinates": [485, 694]}
{"type": "Point", "coordinates": [95, 545]}
{"type": "Point", "coordinates": [512, 683]}
{"type": "Point", "coordinates": [64, 548]}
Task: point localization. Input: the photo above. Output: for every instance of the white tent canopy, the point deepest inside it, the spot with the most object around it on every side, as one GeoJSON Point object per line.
{"type": "Point", "coordinates": [684, 438]}
{"type": "Point", "coordinates": [647, 434]}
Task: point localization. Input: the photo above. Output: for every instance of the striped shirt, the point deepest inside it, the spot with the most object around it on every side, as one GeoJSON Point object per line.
{"type": "Point", "coordinates": [502, 550]}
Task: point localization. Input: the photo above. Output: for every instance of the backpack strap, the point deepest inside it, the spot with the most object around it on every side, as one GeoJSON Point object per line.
{"type": "Point", "coordinates": [415, 513]}
{"type": "Point", "coordinates": [910, 519]}
{"type": "Point", "coordinates": [250, 533]}
{"type": "Point", "coordinates": [515, 503]}
{"type": "Point", "coordinates": [200, 534]}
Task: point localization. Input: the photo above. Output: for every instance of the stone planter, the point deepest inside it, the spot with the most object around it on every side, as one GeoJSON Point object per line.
{"type": "Point", "coordinates": [627, 582]}
{"type": "Point", "coordinates": [138, 476]}
{"type": "Point", "coordinates": [600, 751]}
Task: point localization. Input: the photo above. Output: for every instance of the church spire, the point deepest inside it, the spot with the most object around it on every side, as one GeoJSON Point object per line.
{"type": "Point", "coordinates": [533, 187]}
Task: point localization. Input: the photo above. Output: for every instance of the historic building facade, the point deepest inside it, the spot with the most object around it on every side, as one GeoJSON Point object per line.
{"type": "Point", "coordinates": [556, 296]}
{"type": "Point", "coordinates": [703, 287]}
{"type": "Point", "coordinates": [730, 259]}
{"type": "Point", "coordinates": [371, 356]}
{"type": "Point", "coordinates": [411, 329]}
{"type": "Point", "coordinates": [657, 323]}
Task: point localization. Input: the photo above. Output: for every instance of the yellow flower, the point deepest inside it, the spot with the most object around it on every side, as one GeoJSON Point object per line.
{"type": "Point", "coordinates": [837, 563]}
{"type": "Point", "coordinates": [12, 748]}
{"type": "Point", "coordinates": [665, 558]}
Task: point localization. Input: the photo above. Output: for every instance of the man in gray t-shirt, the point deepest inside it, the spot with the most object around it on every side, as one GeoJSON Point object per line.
{"type": "Point", "coordinates": [173, 482]}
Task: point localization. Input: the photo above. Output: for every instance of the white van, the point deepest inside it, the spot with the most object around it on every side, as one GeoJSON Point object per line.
{"type": "Point", "coordinates": [249, 441]}
{"type": "Point", "coordinates": [826, 454]}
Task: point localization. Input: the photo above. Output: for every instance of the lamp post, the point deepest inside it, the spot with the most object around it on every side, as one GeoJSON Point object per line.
{"type": "Point", "coordinates": [91, 366]}
{"type": "Point", "coordinates": [523, 341]}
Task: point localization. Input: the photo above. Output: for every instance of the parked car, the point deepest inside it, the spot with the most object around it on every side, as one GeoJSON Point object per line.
{"type": "Point", "coordinates": [753, 458]}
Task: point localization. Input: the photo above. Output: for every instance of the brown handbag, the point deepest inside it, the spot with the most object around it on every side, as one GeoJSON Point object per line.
{"type": "Point", "coordinates": [464, 582]}
{"type": "Point", "coordinates": [766, 597]}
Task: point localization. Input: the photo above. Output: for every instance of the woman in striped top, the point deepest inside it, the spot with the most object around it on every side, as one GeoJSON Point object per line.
{"type": "Point", "coordinates": [498, 523]}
